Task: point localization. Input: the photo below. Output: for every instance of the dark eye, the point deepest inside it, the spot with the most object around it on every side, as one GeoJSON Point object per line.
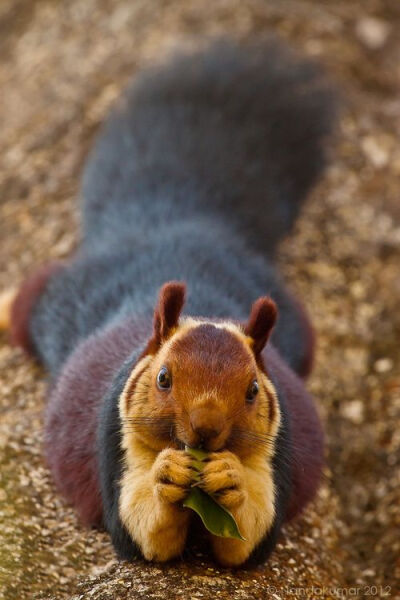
{"type": "Point", "coordinates": [164, 379]}
{"type": "Point", "coordinates": [252, 391]}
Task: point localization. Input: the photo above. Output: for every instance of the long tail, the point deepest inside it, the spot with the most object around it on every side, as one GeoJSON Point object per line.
{"type": "Point", "coordinates": [240, 129]}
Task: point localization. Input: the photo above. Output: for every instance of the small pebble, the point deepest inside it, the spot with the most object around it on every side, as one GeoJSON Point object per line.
{"type": "Point", "coordinates": [372, 32]}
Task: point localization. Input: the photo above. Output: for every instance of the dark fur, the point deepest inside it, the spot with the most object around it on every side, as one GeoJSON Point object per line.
{"type": "Point", "coordinates": [72, 414]}
{"type": "Point", "coordinates": [283, 471]}
{"type": "Point", "coordinates": [110, 457]}
{"type": "Point", "coordinates": [198, 173]}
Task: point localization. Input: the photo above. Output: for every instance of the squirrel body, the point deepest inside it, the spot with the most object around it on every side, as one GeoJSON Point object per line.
{"type": "Point", "coordinates": [198, 173]}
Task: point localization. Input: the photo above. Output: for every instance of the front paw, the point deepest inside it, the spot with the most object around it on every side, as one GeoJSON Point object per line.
{"type": "Point", "coordinates": [223, 478]}
{"type": "Point", "coordinates": [172, 474]}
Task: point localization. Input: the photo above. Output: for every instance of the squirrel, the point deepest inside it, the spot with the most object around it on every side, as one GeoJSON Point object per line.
{"type": "Point", "coordinates": [197, 174]}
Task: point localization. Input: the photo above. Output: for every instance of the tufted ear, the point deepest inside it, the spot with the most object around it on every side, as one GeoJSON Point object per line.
{"type": "Point", "coordinates": [166, 315]}
{"type": "Point", "coordinates": [261, 321]}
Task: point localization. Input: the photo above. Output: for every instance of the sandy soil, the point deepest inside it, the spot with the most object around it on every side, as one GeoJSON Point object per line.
{"type": "Point", "coordinates": [62, 65]}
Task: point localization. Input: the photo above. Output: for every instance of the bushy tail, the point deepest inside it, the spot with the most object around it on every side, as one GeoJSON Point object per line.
{"type": "Point", "coordinates": [248, 123]}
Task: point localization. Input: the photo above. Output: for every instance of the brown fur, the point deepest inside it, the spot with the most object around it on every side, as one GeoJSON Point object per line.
{"type": "Point", "coordinates": [166, 315]}
{"type": "Point", "coordinates": [261, 322]}
{"type": "Point", "coordinates": [212, 365]}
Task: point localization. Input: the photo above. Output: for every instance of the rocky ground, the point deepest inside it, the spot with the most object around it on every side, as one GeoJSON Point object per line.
{"type": "Point", "coordinates": [62, 65]}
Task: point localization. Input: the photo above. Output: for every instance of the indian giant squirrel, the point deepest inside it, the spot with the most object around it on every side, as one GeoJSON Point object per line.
{"type": "Point", "coordinates": [198, 173]}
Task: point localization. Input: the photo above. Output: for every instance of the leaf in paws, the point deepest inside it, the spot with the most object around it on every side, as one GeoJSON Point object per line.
{"type": "Point", "coordinates": [217, 519]}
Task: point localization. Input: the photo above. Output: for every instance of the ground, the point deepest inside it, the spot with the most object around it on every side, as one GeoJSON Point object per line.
{"type": "Point", "coordinates": [63, 64]}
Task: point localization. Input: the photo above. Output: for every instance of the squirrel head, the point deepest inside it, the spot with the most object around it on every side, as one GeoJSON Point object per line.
{"type": "Point", "coordinates": [202, 383]}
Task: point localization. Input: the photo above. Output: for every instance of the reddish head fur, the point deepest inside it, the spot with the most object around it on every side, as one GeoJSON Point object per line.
{"type": "Point", "coordinates": [211, 367]}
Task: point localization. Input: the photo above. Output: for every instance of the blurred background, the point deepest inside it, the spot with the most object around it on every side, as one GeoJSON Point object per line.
{"type": "Point", "coordinates": [62, 64]}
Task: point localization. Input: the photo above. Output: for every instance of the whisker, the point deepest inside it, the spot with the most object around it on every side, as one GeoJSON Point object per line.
{"type": "Point", "coordinates": [257, 434]}
{"type": "Point", "coordinates": [141, 419]}
{"type": "Point", "coordinates": [253, 441]}
{"type": "Point", "coordinates": [157, 424]}
{"type": "Point", "coordinates": [235, 414]}
{"type": "Point", "coordinates": [253, 437]}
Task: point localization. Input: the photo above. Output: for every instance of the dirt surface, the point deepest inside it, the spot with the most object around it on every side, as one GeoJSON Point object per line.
{"type": "Point", "coordinates": [62, 65]}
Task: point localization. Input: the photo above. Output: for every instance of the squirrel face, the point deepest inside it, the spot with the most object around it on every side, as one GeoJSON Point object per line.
{"type": "Point", "coordinates": [202, 383]}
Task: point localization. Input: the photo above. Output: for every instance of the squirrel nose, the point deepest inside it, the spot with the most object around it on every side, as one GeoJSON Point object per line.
{"type": "Point", "coordinates": [207, 423]}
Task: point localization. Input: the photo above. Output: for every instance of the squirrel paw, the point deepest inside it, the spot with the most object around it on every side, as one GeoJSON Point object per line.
{"type": "Point", "coordinates": [223, 477]}
{"type": "Point", "coordinates": [173, 475]}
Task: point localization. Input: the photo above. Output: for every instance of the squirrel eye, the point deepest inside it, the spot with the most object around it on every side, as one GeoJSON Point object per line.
{"type": "Point", "coordinates": [252, 391]}
{"type": "Point", "coordinates": [164, 379]}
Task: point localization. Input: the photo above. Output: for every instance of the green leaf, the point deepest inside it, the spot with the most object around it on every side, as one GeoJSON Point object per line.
{"type": "Point", "coordinates": [215, 517]}
{"type": "Point", "coordinates": [198, 456]}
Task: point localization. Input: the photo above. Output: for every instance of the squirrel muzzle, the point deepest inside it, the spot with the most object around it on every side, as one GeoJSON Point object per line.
{"type": "Point", "coordinates": [208, 425]}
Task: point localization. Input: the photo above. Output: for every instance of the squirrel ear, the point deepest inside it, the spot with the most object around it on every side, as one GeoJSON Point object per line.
{"type": "Point", "coordinates": [261, 321]}
{"type": "Point", "coordinates": [166, 315]}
